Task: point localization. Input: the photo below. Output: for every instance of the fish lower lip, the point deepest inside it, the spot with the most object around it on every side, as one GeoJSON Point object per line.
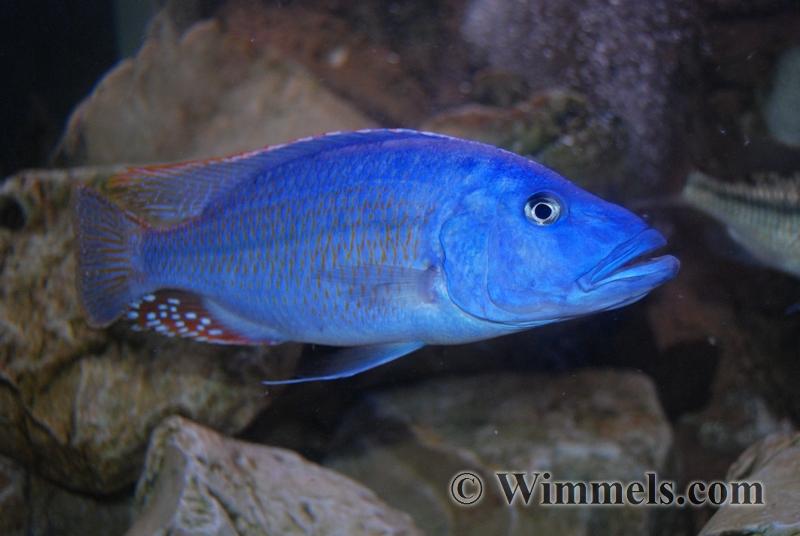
{"type": "Point", "coordinates": [628, 261]}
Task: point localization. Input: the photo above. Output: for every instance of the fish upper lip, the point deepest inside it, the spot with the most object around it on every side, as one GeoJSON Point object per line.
{"type": "Point", "coordinates": [621, 262]}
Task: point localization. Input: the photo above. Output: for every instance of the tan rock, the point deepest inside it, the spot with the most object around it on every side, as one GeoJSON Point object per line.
{"type": "Point", "coordinates": [198, 482]}
{"type": "Point", "coordinates": [77, 405]}
{"type": "Point", "coordinates": [210, 91]}
{"type": "Point", "coordinates": [774, 463]}
{"type": "Point", "coordinates": [408, 443]}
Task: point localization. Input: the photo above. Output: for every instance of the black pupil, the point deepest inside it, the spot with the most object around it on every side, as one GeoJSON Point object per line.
{"type": "Point", "coordinates": [542, 211]}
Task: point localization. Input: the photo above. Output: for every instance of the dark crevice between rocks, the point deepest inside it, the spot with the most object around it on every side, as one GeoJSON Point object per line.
{"type": "Point", "coordinates": [684, 375]}
{"type": "Point", "coordinates": [12, 215]}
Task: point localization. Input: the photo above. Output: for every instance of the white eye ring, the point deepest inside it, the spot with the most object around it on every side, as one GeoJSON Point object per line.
{"type": "Point", "coordinates": [542, 209]}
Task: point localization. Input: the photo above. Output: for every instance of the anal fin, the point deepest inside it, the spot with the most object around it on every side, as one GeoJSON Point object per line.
{"type": "Point", "coordinates": [177, 313]}
{"type": "Point", "coordinates": [348, 362]}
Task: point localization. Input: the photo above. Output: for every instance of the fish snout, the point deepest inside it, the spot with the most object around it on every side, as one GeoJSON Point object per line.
{"type": "Point", "coordinates": [629, 261]}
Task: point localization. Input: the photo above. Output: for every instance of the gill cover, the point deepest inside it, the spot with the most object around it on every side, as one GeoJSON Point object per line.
{"type": "Point", "coordinates": [494, 261]}
{"type": "Point", "coordinates": [476, 256]}
{"type": "Point", "coordinates": [465, 243]}
{"type": "Point", "coordinates": [518, 270]}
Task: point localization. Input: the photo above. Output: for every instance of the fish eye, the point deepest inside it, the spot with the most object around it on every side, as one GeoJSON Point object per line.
{"type": "Point", "coordinates": [542, 209]}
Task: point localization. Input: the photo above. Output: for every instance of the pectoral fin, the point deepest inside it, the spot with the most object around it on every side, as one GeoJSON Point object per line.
{"type": "Point", "coordinates": [348, 362]}
{"type": "Point", "coordinates": [384, 283]}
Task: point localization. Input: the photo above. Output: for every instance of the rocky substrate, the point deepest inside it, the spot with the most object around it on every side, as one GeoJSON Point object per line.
{"type": "Point", "coordinates": [113, 432]}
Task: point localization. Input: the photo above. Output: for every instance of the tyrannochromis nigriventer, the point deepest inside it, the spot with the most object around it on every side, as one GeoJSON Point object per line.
{"type": "Point", "coordinates": [380, 240]}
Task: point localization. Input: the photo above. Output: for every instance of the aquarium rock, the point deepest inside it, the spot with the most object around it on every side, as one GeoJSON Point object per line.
{"type": "Point", "coordinates": [33, 506]}
{"type": "Point", "coordinates": [775, 463]}
{"type": "Point", "coordinates": [406, 443]}
{"type": "Point", "coordinates": [782, 107]}
{"type": "Point", "coordinates": [346, 46]}
{"type": "Point", "coordinates": [207, 92]}
{"type": "Point", "coordinates": [727, 349]}
{"type": "Point", "coordinates": [557, 128]}
{"type": "Point", "coordinates": [77, 404]}
{"type": "Point", "coordinates": [624, 54]}
{"type": "Point", "coordinates": [199, 482]}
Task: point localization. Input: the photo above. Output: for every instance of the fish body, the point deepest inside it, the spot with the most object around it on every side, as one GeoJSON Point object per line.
{"type": "Point", "coordinates": [763, 218]}
{"type": "Point", "coordinates": [382, 240]}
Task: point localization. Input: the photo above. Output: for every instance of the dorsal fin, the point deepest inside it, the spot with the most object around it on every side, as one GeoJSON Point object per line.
{"type": "Point", "coordinates": [166, 194]}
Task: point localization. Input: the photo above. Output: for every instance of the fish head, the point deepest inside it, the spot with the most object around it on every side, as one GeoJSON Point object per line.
{"type": "Point", "coordinates": [527, 247]}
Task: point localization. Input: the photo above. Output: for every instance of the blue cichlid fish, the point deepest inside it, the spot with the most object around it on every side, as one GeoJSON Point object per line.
{"type": "Point", "coordinates": [381, 240]}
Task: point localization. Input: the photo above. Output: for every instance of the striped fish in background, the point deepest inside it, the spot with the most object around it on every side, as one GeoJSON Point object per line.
{"type": "Point", "coordinates": [762, 217]}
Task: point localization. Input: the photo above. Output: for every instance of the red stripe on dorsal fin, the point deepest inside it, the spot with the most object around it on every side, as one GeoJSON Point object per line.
{"type": "Point", "coordinates": [167, 194]}
{"type": "Point", "coordinates": [163, 195]}
{"type": "Point", "coordinates": [176, 313]}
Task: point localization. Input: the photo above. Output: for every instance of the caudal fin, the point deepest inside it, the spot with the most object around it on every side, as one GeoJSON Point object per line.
{"type": "Point", "coordinates": [105, 271]}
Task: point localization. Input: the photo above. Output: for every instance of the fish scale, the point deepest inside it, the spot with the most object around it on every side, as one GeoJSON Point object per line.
{"type": "Point", "coordinates": [297, 233]}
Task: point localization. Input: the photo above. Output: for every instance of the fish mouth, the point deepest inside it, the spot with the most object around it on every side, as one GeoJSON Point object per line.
{"type": "Point", "coordinates": [630, 261]}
